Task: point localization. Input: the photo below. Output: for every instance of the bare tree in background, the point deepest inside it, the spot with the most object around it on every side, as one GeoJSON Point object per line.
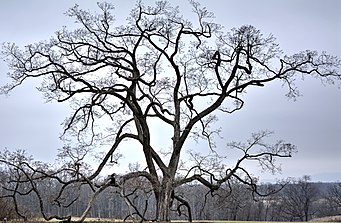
{"type": "Point", "coordinates": [333, 198]}
{"type": "Point", "coordinates": [160, 68]}
{"type": "Point", "coordinates": [6, 205]}
{"type": "Point", "coordinates": [298, 198]}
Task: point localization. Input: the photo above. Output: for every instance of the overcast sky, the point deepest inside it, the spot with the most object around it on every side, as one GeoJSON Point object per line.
{"type": "Point", "coordinates": [312, 123]}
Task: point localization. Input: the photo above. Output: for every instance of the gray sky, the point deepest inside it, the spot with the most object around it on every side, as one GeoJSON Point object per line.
{"type": "Point", "coordinates": [312, 123]}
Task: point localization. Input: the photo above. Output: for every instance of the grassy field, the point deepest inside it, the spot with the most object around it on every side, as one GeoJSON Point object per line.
{"type": "Point", "coordinates": [203, 221]}
{"type": "Point", "coordinates": [106, 220]}
{"type": "Point", "coordinates": [198, 221]}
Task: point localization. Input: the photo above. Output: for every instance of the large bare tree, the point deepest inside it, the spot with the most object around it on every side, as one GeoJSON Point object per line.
{"type": "Point", "coordinates": [159, 67]}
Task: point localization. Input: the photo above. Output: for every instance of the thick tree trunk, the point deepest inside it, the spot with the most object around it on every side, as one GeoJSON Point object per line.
{"type": "Point", "coordinates": [164, 201]}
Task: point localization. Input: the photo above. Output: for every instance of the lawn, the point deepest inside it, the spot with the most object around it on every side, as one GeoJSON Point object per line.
{"type": "Point", "coordinates": [107, 220]}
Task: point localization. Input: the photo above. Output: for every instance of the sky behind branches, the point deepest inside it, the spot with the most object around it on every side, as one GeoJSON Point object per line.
{"type": "Point", "coordinates": [312, 123]}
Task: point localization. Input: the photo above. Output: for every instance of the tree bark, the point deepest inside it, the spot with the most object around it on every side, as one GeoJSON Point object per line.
{"type": "Point", "coordinates": [164, 200]}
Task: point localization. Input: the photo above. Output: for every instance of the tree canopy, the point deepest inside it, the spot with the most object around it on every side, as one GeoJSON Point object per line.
{"type": "Point", "coordinates": [158, 67]}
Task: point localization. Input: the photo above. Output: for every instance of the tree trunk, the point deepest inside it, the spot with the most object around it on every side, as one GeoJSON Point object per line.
{"type": "Point", "coordinates": [164, 201]}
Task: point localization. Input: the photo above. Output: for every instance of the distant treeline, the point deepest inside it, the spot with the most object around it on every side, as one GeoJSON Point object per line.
{"type": "Point", "coordinates": [300, 200]}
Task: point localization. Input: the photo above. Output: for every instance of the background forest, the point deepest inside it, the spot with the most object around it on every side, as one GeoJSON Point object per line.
{"type": "Point", "coordinates": [300, 200]}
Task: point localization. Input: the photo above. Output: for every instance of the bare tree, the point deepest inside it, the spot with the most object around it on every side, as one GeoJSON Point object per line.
{"type": "Point", "coordinates": [233, 199]}
{"type": "Point", "coordinates": [333, 197]}
{"type": "Point", "coordinates": [298, 199]}
{"type": "Point", "coordinates": [6, 204]}
{"type": "Point", "coordinates": [159, 67]}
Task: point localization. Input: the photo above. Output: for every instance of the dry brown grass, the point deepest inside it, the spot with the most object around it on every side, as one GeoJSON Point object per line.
{"type": "Point", "coordinates": [328, 219]}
